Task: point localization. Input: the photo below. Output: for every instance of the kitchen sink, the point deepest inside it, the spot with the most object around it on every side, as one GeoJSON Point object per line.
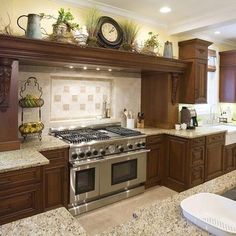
{"type": "Point", "coordinates": [231, 194]}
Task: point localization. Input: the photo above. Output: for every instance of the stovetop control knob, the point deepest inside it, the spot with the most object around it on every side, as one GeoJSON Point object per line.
{"type": "Point", "coordinates": [82, 154]}
{"type": "Point", "coordinates": [138, 144]}
{"type": "Point", "coordinates": [143, 144]}
{"type": "Point", "coordinates": [103, 152]}
{"type": "Point", "coordinates": [120, 148]}
{"type": "Point", "coordinates": [95, 152]}
{"type": "Point", "coordinates": [74, 156]}
{"type": "Point", "coordinates": [88, 154]}
{"type": "Point", "coordinates": [130, 146]}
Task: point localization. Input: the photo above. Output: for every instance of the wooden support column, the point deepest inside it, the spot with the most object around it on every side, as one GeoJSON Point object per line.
{"type": "Point", "coordinates": [159, 99]}
{"type": "Point", "coordinates": [9, 105]}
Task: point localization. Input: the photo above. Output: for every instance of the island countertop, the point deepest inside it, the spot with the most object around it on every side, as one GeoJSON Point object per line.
{"type": "Point", "coordinates": [165, 217]}
{"type": "Point", "coordinates": [54, 222]}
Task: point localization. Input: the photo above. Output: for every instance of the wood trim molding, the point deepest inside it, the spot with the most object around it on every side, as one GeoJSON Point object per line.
{"type": "Point", "coordinates": [5, 82]}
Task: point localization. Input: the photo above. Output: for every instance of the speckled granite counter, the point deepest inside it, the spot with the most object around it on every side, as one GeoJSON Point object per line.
{"type": "Point", "coordinates": [54, 222]}
{"type": "Point", "coordinates": [198, 132]}
{"type": "Point", "coordinates": [20, 159]}
{"type": "Point", "coordinates": [28, 155]}
{"type": "Point", "coordinates": [164, 217]}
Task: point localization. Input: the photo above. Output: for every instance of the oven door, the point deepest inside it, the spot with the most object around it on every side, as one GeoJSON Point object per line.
{"type": "Point", "coordinates": [84, 182]}
{"type": "Point", "coordinates": [123, 171]}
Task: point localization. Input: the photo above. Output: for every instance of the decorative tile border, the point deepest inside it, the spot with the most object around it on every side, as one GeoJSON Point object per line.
{"type": "Point", "coordinates": [78, 98]}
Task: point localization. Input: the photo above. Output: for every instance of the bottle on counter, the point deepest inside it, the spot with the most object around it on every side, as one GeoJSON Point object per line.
{"type": "Point", "coordinates": [140, 120]}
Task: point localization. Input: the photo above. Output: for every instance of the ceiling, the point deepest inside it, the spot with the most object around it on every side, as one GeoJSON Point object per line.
{"type": "Point", "coordinates": [199, 18]}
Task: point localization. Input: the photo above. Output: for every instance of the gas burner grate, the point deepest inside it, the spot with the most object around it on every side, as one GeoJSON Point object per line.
{"type": "Point", "coordinates": [82, 135]}
{"type": "Point", "coordinates": [123, 131]}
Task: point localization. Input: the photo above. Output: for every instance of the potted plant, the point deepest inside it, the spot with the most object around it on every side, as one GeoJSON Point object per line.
{"type": "Point", "coordinates": [64, 26]}
{"type": "Point", "coordinates": [130, 30]}
{"type": "Point", "coordinates": [151, 44]}
{"type": "Point", "coordinates": [91, 22]}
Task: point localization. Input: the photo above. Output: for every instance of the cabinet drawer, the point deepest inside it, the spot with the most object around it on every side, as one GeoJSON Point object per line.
{"type": "Point", "coordinates": [56, 157]}
{"type": "Point", "coordinates": [154, 139]}
{"type": "Point", "coordinates": [216, 138]}
{"type": "Point", "coordinates": [20, 202]}
{"type": "Point", "coordinates": [196, 175]}
{"type": "Point", "coordinates": [197, 155]}
{"type": "Point", "coordinates": [20, 177]}
{"type": "Point", "coordinates": [198, 142]}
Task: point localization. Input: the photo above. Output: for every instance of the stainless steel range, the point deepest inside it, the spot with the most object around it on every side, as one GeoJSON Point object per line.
{"type": "Point", "coordinates": [107, 163]}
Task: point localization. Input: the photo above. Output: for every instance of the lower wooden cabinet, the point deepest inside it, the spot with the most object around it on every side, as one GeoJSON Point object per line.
{"type": "Point", "coordinates": [55, 179]}
{"type": "Point", "coordinates": [20, 194]}
{"type": "Point", "coordinates": [229, 158]}
{"type": "Point", "coordinates": [214, 163]}
{"type": "Point", "coordinates": [154, 161]}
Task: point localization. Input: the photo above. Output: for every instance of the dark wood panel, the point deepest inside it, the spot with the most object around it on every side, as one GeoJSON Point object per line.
{"type": "Point", "coordinates": [156, 91]}
{"type": "Point", "coordinates": [155, 165]}
{"type": "Point", "coordinates": [229, 158]}
{"type": "Point", "coordinates": [9, 118]}
{"type": "Point", "coordinates": [176, 162]}
{"type": "Point", "coordinates": [215, 138]}
{"type": "Point", "coordinates": [214, 165]}
{"type": "Point", "coordinates": [197, 155]}
{"type": "Point", "coordinates": [196, 176]}
{"type": "Point", "coordinates": [22, 177]}
{"type": "Point", "coordinates": [20, 202]}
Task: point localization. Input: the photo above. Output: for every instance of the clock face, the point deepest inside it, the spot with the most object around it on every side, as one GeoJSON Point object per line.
{"type": "Point", "coordinates": [109, 32]}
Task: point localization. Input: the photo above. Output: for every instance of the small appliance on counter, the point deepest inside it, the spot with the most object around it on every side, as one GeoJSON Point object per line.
{"type": "Point", "coordinates": [140, 120]}
{"type": "Point", "coordinates": [189, 117]}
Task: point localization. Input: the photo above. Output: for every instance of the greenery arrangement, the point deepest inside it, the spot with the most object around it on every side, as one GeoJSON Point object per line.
{"type": "Point", "coordinates": [6, 28]}
{"type": "Point", "coordinates": [130, 30]}
{"type": "Point", "coordinates": [152, 42]}
{"type": "Point", "coordinates": [65, 17]}
{"type": "Point", "coordinates": [91, 22]}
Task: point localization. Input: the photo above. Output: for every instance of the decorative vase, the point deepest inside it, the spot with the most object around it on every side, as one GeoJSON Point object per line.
{"type": "Point", "coordinates": [168, 50]}
{"type": "Point", "coordinates": [81, 36]}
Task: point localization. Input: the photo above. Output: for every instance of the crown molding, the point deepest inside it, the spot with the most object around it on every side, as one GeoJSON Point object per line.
{"type": "Point", "coordinates": [116, 11]}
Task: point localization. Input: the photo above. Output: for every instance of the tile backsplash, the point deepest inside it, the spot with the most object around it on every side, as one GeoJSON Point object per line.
{"type": "Point", "coordinates": [76, 97]}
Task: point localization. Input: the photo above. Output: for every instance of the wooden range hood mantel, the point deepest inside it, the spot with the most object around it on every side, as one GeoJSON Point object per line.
{"type": "Point", "coordinates": [23, 49]}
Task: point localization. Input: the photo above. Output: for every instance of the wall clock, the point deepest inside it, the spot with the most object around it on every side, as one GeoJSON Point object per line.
{"type": "Point", "coordinates": [109, 33]}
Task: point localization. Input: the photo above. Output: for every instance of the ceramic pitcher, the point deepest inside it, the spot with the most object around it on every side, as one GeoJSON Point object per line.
{"type": "Point", "coordinates": [33, 29]}
{"type": "Point", "coordinates": [168, 50]}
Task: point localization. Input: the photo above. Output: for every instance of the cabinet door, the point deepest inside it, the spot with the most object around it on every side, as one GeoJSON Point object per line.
{"type": "Point", "coordinates": [230, 158]}
{"type": "Point", "coordinates": [200, 81]}
{"type": "Point", "coordinates": [56, 187]}
{"type": "Point", "coordinates": [214, 164]}
{"type": "Point", "coordinates": [176, 163]}
{"type": "Point", "coordinates": [227, 84]}
{"type": "Point", "coordinates": [20, 202]}
{"type": "Point", "coordinates": [154, 165]}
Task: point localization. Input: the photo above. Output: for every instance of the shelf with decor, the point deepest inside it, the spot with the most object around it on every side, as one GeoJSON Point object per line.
{"type": "Point", "coordinates": [30, 101]}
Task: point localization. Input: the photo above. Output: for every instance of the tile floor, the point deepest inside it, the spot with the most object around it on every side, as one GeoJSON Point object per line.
{"type": "Point", "coordinates": [103, 218]}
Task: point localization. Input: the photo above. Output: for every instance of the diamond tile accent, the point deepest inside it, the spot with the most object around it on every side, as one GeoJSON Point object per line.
{"type": "Point", "coordinates": [90, 98]}
{"type": "Point", "coordinates": [66, 107]}
{"type": "Point", "coordinates": [66, 89]}
{"type": "Point", "coordinates": [74, 98]}
{"type": "Point", "coordinates": [82, 107]}
{"type": "Point", "coordinates": [57, 98]}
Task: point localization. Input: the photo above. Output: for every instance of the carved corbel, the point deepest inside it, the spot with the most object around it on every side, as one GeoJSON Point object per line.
{"type": "Point", "coordinates": [5, 83]}
{"type": "Point", "coordinates": [175, 83]}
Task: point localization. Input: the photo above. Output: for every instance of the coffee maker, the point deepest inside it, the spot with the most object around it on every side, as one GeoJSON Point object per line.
{"type": "Point", "coordinates": [189, 117]}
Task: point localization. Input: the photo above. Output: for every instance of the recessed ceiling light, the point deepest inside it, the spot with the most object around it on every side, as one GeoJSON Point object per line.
{"type": "Point", "coordinates": [109, 70]}
{"type": "Point", "coordinates": [85, 67]}
{"type": "Point", "coordinates": [165, 10]}
{"type": "Point", "coordinates": [71, 67]}
{"type": "Point", "coordinates": [217, 32]}
{"type": "Point", "coordinates": [97, 68]}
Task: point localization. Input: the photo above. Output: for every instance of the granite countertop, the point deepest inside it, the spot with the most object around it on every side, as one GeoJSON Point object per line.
{"type": "Point", "coordinates": [165, 218]}
{"type": "Point", "coordinates": [54, 222]}
{"type": "Point", "coordinates": [198, 132]}
{"type": "Point", "coordinates": [29, 156]}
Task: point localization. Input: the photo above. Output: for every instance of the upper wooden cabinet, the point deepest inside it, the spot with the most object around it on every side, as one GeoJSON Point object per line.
{"type": "Point", "coordinates": [193, 87]}
{"type": "Point", "coordinates": [227, 76]}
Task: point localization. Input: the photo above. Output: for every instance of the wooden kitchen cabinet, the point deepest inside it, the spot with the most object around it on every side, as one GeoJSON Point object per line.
{"type": "Point", "coordinates": [154, 161]}
{"type": "Point", "coordinates": [227, 91]}
{"type": "Point", "coordinates": [193, 87]}
{"type": "Point", "coordinates": [229, 158]}
{"type": "Point", "coordinates": [184, 162]}
{"type": "Point", "coordinates": [20, 194]}
{"type": "Point", "coordinates": [214, 163]}
{"type": "Point", "coordinates": [55, 179]}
